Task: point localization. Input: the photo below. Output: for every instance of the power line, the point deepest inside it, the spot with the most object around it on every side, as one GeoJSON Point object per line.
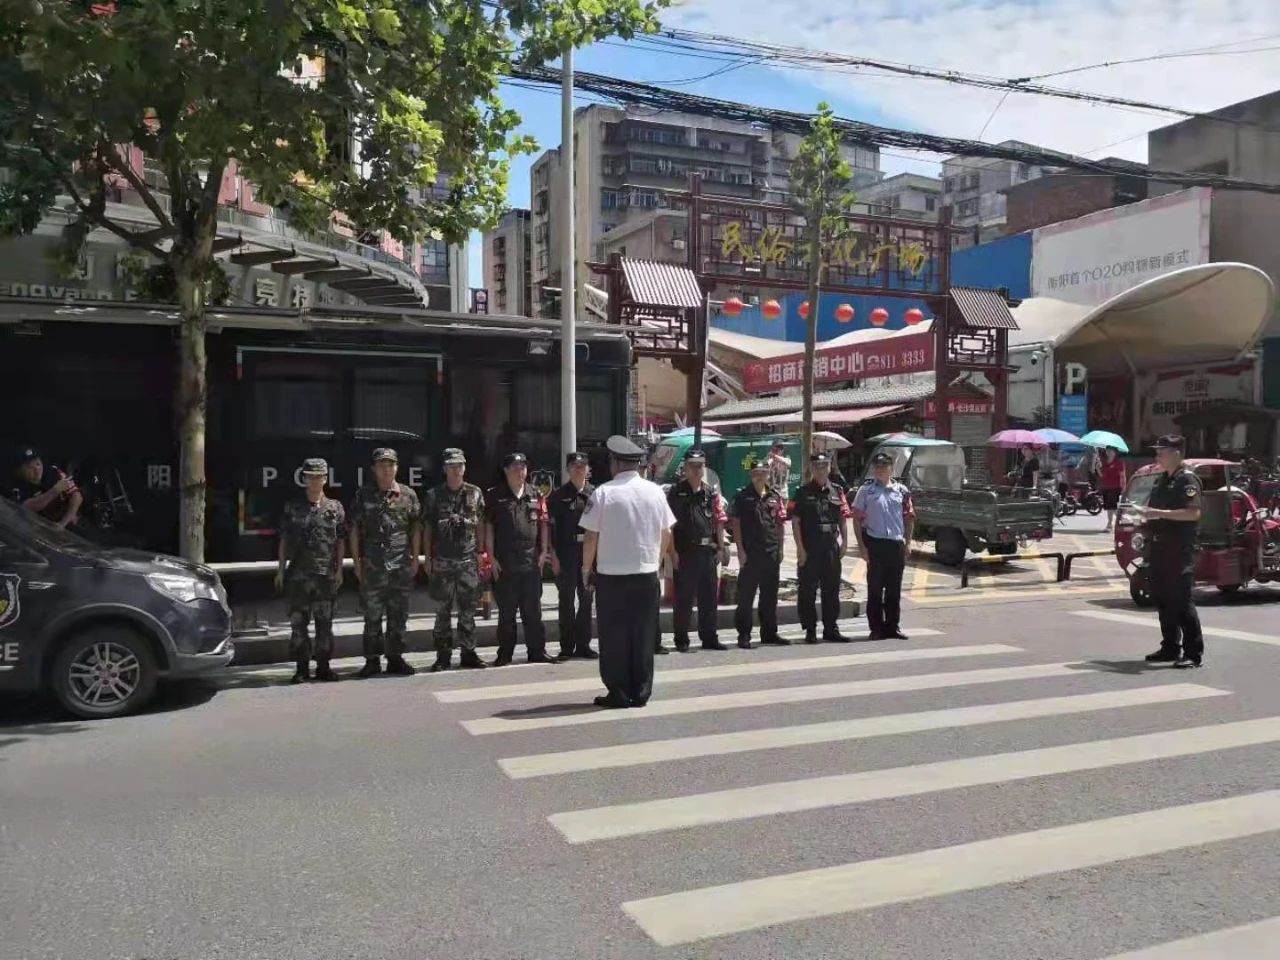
{"type": "Point", "coordinates": [1213, 51]}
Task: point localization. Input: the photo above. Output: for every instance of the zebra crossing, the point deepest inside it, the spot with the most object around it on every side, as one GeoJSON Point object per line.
{"type": "Point", "coordinates": [606, 743]}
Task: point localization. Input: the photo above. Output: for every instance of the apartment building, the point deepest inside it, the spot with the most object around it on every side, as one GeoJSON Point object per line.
{"type": "Point", "coordinates": [508, 255]}
{"type": "Point", "coordinates": [908, 196]}
{"type": "Point", "coordinates": [974, 189]}
{"type": "Point", "coordinates": [546, 221]}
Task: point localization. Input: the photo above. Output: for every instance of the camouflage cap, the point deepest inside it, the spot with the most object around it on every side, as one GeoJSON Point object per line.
{"type": "Point", "coordinates": [315, 467]}
{"type": "Point", "coordinates": [454, 455]}
{"type": "Point", "coordinates": [385, 453]}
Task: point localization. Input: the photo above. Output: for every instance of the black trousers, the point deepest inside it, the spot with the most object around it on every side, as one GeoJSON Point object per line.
{"type": "Point", "coordinates": [519, 592]}
{"type": "Point", "coordinates": [627, 608]}
{"type": "Point", "coordinates": [575, 607]}
{"type": "Point", "coordinates": [758, 573]}
{"type": "Point", "coordinates": [885, 562]}
{"type": "Point", "coordinates": [1179, 621]}
{"type": "Point", "coordinates": [821, 571]}
{"type": "Point", "coordinates": [697, 579]}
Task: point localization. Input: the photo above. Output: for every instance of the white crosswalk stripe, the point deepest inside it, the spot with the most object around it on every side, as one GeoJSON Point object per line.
{"type": "Point", "coordinates": [863, 728]}
{"type": "Point", "coordinates": [1253, 941]}
{"type": "Point", "coordinates": [780, 695]}
{"type": "Point", "coordinates": [1209, 631]}
{"type": "Point", "coordinates": [693, 915]}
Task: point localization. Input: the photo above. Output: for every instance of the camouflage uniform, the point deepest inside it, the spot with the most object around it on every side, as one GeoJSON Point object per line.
{"type": "Point", "coordinates": [453, 517]}
{"type": "Point", "coordinates": [386, 522]}
{"type": "Point", "coordinates": [311, 532]}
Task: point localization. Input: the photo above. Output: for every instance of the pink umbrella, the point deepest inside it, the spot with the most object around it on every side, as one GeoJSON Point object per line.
{"type": "Point", "coordinates": [1012, 439]}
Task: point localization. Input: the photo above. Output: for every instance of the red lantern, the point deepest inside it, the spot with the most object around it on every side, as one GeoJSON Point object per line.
{"type": "Point", "coordinates": [879, 316]}
{"type": "Point", "coordinates": [732, 307]}
{"type": "Point", "coordinates": [844, 313]}
{"type": "Point", "coordinates": [804, 310]}
{"type": "Point", "coordinates": [772, 309]}
{"type": "Point", "coordinates": [913, 316]}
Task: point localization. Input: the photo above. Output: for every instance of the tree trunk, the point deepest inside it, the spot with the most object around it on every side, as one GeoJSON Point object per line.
{"type": "Point", "coordinates": [811, 339]}
{"type": "Point", "coordinates": [192, 399]}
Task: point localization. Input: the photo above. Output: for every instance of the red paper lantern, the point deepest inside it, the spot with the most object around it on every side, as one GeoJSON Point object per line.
{"type": "Point", "coordinates": [913, 316]}
{"type": "Point", "coordinates": [772, 309]}
{"type": "Point", "coordinates": [844, 313]}
{"type": "Point", "coordinates": [879, 316]}
{"type": "Point", "coordinates": [732, 307]}
{"type": "Point", "coordinates": [804, 310]}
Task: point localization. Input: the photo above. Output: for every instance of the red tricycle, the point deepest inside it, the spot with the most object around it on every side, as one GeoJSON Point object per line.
{"type": "Point", "coordinates": [1238, 543]}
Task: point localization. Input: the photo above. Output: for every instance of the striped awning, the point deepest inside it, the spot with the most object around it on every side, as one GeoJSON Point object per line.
{"type": "Point", "coordinates": [661, 284]}
{"type": "Point", "coordinates": [980, 308]}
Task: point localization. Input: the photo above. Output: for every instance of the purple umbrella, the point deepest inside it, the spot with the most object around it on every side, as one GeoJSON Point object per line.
{"type": "Point", "coordinates": [1013, 439]}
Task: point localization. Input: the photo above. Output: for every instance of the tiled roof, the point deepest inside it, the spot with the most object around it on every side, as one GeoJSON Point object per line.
{"type": "Point", "coordinates": [983, 308]}
{"type": "Point", "coordinates": [921, 386]}
{"type": "Point", "coordinates": [661, 284]}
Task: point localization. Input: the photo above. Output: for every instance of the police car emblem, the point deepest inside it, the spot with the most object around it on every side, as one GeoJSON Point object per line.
{"type": "Point", "coordinates": [9, 605]}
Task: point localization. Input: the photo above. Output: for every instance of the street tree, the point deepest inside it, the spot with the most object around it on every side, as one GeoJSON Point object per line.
{"type": "Point", "coordinates": [330, 107]}
{"type": "Point", "coordinates": [820, 178]}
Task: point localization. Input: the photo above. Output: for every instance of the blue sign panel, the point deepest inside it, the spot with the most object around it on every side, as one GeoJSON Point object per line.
{"type": "Point", "coordinates": [1073, 413]}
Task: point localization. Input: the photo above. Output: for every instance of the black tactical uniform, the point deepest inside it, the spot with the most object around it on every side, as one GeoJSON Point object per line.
{"type": "Point", "coordinates": [695, 539]}
{"type": "Point", "coordinates": [761, 518]}
{"type": "Point", "coordinates": [1171, 554]}
{"type": "Point", "coordinates": [821, 510]}
{"type": "Point", "coordinates": [564, 510]}
{"type": "Point", "coordinates": [515, 520]}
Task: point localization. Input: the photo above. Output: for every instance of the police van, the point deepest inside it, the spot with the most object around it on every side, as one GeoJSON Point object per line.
{"type": "Point", "coordinates": [99, 628]}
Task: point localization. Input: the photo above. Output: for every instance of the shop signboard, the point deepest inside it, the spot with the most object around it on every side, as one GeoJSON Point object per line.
{"type": "Point", "coordinates": [959, 407]}
{"type": "Point", "coordinates": [1093, 258]}
{"type": "Point", "coordinates": [1073, 413]}
{"type": "Point", "coordinates": [1171, 393]}
{"type": "Point", "coordinates": [912, 353]}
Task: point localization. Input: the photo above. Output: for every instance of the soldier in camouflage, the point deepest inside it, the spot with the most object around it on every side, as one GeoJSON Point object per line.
{"type": "Point", "coordinates": [385, 545]}
{"type": "Point", "coordinates": [452, 517]}
{"type": "Point", "coordinates": [310, 570]}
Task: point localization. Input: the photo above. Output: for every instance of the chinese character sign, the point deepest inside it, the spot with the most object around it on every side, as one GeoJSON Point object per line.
{"type": "Point", "coordinates": [911, 353]}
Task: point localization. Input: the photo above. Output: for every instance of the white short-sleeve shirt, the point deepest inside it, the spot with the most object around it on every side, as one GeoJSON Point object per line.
{"type": "Point", "coordinates": [629, 514]}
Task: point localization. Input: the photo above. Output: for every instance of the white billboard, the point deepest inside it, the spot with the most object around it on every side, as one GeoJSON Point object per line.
{"type": "Point", "coordinates": [1091, 259]}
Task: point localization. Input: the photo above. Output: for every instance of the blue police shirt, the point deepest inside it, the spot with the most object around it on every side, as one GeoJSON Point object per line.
{"type": "Point", "coordinates": [882, 510]}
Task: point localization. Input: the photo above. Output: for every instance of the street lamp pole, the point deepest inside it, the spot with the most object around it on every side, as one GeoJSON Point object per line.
{"type": "Point", "coordinates": [568, 282]}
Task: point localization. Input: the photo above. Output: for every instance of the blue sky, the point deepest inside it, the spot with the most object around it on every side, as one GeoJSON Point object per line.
{"type": "Point", "coordinates": [1237, 47]}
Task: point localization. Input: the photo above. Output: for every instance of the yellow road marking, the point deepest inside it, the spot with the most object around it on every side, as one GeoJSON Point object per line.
{"type": "Point", "coordinates": [1029, 592]}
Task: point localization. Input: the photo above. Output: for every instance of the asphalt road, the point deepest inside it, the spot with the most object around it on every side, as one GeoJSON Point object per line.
{"type": "Point", "coordinates": [1012, 783]}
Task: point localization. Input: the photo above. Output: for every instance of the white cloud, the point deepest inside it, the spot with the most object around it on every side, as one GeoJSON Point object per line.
{"type": "Point", "coordinates": [1008, 38]}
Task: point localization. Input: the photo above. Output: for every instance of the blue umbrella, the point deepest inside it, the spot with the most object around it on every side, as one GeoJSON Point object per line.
{"type": "Point", "coordinates": [1054, 435]}
{"type": "Point", "coordinates": [1105, 438]}
{"type": "Point", "coordinates": [688, 432]}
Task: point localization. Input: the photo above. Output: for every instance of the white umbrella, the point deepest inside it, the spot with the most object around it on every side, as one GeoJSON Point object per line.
{"type": "Point", "coordinates": [833, 440]}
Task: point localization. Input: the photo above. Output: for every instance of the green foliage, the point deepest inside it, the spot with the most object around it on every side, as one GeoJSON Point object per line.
{"type": "Point", "coordinates": [820, 179]}
{"type": "Point", "coordinates": [156, 282]}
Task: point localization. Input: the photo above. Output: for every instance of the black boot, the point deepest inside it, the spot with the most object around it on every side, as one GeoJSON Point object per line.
{"type": "Point", "coordinates": [372, 667]}
{"type": "Point", "coordinates": [443, 662]}
{"type": "Point", "coordinates": [682, 644]}
{"type": "Point", "coordinates": [811, 636]}
{"type": "Point", "coordinates": [1163, 656]}
{"type": "Point", "coordinates": [586, 653]}
{"type": "Point", "coordinates": [303, 673]}
{"type": "Point", "coordinates": [396, 666]}
{"type": "Point", "coordinates": [324, 673]}
{"type": "Point", "coordinates": [472, 661]}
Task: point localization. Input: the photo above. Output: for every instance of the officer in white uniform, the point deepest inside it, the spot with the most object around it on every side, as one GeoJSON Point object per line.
{"type": "Point", "coordinates": [628, 531]}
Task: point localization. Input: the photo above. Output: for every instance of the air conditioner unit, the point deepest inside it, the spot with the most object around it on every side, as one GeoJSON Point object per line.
{"type": "Point", "coordinates": [677, 243]}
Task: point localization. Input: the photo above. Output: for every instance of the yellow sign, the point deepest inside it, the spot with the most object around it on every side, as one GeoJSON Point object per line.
{"type": "Point", "coordinates": [856, 252]}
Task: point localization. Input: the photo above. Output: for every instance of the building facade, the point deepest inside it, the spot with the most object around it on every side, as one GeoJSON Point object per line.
{"type": "Point", "coordinates": [508, 258]}
{"type": "Point", "coordinates": [973, 188]}
{"type": "Point", "coordinates": [1055, 197]}
{"type": "Point", "coordinates": [907, 196]}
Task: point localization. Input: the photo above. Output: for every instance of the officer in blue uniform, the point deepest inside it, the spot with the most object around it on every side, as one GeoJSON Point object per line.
{"type": "Point", "coordinates": [883, 518]}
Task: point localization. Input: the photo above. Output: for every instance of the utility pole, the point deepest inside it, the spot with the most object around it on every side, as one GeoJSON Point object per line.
{"type": "Point", "coordinates": [568, 282]}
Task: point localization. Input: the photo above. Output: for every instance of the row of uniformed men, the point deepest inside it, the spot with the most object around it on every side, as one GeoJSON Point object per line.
{"type": "Point", "coordinates": [510, 533]}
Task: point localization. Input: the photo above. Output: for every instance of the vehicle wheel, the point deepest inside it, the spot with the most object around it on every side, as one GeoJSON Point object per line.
{"type": "Point", "coordinates": [1094, 505]}
{"type": "Point", "coordinates": [1139, 590]}
{"type": "Point", "coordinates": [104, 672]}
{"type": "Point", "coordinates": [1229, 587]}
{"type": "Point", "coordinates": [950, 547]}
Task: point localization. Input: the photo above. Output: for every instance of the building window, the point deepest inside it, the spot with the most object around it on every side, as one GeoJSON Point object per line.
{"type": "Point", "coordinates": [609, 200]}
{"type": "Point", "coordinates": [930, 204]}
{"type": "Point", "coordinates": [293, 399]}
{"type": "Point", "coordinates": [434, 265]}
{"type": "Point", "coordinates": [968, 208]}
{"type": "Point", "coordinates": [949, 184]}
{"type": "Point", "coordinates": [390, 403]}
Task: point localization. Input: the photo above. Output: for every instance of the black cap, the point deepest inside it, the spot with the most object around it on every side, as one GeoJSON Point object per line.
{"type": "Point", "coordinates": [575, 458]}
{"type": "Point", "coordinates": [882, 460]}
{"type": "Point", "coordinates": [454, 455]}
{"type": "Point", "coordinates": [695, 456]}
{"type": "Point", "coordinates": [758, 463]}
{"type": "Point", "coordinates": [623, 449]}
{"type": "Point", "coordinates": [820, 460]}
{"type": "Point", "coordinates": [513, 458]}
{"type": "Point", "coordinates": [25, 455]}
{"type": "Point", "coordinates": [1171, 441]}
{"type": "Point", "coordinates": [385, 453]}
{"type": "Point", "coordinates": [314, 467]}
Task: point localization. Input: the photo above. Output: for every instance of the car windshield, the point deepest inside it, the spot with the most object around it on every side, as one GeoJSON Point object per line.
{"type": "Point", "coordinates": [36, 527]}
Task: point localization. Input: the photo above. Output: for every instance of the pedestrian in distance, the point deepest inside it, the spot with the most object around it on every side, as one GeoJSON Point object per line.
{"type": "Point", "coordinates": [516, 540]}
{"type": "Point", "coordinates": [386, 541]}
{"type": "Point", "coordinates": [628, 525]}
{"type": "Point", "coordinates": [50, 493]}
{"type": "Point", "coordinates": [758, 515]}
{"type": "Point", "coordinates": [309, 572]}
{"type": "Point", "coordinates": [883, 521]}
{"type": "Point", "coordinates": [697, 548]}
{"type": "Point", "coordinates": [1112, 480]}
{"type": "Point", "coordinates": [452, 541]}
{"type": "Point", "coordinates": [820, 525]}
{"type": "Point", "coordinates": [1171, 516]}
{"type": "Point", "coordinates": [779, 468]}
{"type": "Point", "coordinates": [564, 510]}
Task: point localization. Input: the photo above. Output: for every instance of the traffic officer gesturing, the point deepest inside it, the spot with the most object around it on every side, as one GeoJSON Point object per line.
{"type": "Point", "coordinates": [452, 517]}
{"type": "Point", "coordinates": [1172, 514]}
{"type": "Point", "coordinates": [564, 510]}
{"type": "Point", "coordinates": [515, 535]}
{"type": "Point", "coordinates": [697, 544]}
{"type": "Point", "coordinates": [310, 572]}
{"type": "Point", "coordinates": [759, 517]}
{"type": "Point", "coordinates": [819, 523]}
{"type": "Point", "coordinates": [386, 540]}
{"type": "Point", "coordinates": [883, 521]}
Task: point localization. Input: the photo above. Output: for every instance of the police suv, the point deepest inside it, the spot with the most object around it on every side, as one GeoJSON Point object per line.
{"type": "Point", "coordinates": [98, 628]}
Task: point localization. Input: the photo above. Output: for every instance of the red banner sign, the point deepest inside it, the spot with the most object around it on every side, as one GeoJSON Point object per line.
{"type": "Point", "coordinates": [874, 358]}
{"type": "Point", "coordinates": [961, 407]}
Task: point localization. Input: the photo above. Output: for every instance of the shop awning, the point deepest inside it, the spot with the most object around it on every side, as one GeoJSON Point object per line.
{"type": "Point", "coordinates": [833, 418]}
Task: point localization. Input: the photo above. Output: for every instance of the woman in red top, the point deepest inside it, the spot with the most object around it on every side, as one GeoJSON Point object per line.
{"type": "Point", "coordinates": [1111, 482]}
